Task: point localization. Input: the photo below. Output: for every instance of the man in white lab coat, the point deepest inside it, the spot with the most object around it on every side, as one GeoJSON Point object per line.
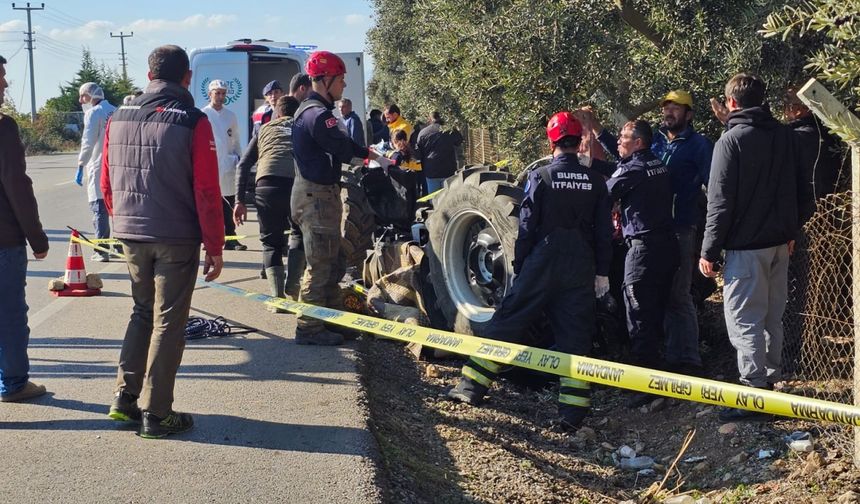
{"type": "Point", "coordinates": [97, 111]}
{"type": "Point", "coordinates": [225, 129]}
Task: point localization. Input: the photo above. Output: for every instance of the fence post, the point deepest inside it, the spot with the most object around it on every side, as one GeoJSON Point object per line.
{"type": "Point", "coordinates": [855, 282]}
{"type": "Point", "coordinates": [836, 116]}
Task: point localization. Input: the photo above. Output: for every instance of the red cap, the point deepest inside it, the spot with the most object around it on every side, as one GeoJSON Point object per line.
{"type": "Point", "coordinates": [561, 125]}
{"type": "Point", "coordinates": [324, 63]}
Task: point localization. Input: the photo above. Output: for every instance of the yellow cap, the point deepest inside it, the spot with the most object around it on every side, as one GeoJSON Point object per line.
{"type": "Point", "coordinates": [679, 97]}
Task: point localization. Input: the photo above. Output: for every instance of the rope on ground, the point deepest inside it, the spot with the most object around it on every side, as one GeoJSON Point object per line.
{"type": "Point", "coordinates": [200, 328]}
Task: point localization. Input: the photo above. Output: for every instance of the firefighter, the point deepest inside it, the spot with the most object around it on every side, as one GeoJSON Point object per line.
{"type": "Point", "coordinates": [319, 148]}
{"type": "Point", "coordinates": [643, 185]}
{"type": "Point", "coordinates": [561, 264]}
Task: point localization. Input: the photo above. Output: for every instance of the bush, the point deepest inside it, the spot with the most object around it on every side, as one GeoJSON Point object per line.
{"type": "Point", "coordinates": [46, 135]}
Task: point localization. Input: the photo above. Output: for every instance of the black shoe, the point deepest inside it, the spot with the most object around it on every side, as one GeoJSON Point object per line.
{"type": "Point", "coordinates": [234, 245]}
{"type": "Point", "coordinates": [263, 273]}
{"type": "Point", "coordinates": [727, 415]}
{"type": "Point", "coordinates": [469, 392]}
{"type": "Point", "coordinates": [638, 399]}
{"type": "Point", "coordinates": [124, 408]}
{"type": "Point", "coordinates": [174, 423]}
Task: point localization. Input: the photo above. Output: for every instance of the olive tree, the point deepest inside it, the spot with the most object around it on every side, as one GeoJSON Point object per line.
{"type": "Point", "coordinates": [510, 64]}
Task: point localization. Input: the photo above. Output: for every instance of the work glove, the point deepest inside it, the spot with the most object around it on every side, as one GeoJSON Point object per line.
{"type": "Point", "coordinates": [601, 286]}
{"type": "Point", "coordinates": [79, 176]}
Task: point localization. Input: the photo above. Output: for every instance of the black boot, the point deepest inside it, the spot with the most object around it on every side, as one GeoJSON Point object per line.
{"type": "Point", "coordinates": [296, 264]}
{"type": "Point", "coordinates": [571, 417]}
{"type": "Point", "coordinates": [469, 392]}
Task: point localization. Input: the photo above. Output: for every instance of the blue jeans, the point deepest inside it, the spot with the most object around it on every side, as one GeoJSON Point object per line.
{"type": "Point", "coordinates": [434, 184]}
{"type": "Point", "coordinates": [101, 221]}
{"type": "Point", "coordinates": [14, 333]}
{"type": "Point", "coordinates": [681, 322]}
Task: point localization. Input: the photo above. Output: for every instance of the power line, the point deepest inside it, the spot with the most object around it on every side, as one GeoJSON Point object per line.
{"type": "Point", "coordinates": [29, 41]}
{"type": "Point", "coordinates": [60, 20]}
{"type": "Point", "coordinates": [69, 16]}
{"type": "Point", "coordinates": [10, 58]}
{"type": "Point", "coordinates": [23, 85]}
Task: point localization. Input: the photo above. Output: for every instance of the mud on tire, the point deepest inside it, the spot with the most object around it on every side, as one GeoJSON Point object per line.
{"type": "Point", "coordinates": [357, 222]}
{"type": "Point", "coordinates": [472, 230]}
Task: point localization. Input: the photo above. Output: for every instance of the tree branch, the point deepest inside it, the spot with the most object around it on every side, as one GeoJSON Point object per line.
{"type": "Point", "coordinates": [637, 21]}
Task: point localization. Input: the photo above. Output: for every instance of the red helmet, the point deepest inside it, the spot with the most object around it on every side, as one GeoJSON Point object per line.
{"type": "Point", "coordinates": [324, 63]}
{"type": "Point", "coordinates": [561, 125]}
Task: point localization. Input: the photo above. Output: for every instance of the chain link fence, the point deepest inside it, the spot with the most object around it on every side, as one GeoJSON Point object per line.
{"type": "Point", "coordinates": [480, 146]}
{"type": "Point", "coordinates": [819, 320]}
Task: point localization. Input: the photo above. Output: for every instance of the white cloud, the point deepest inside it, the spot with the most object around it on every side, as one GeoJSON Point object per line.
{"type": "Point", "coordinates": [196, 21]}
{"type": "Point", "coordinates": [356, 19]}
{"type": "Point", "coordinates": [89, 31]}
{"type": "Point", "coordinates": [14, 25]}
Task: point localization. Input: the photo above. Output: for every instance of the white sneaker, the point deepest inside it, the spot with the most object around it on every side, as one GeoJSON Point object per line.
{"type": "Point", "coordinates": [98, 257]}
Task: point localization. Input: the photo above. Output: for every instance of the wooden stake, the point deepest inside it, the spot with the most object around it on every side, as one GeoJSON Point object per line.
{"type": "Point", "coordinates": [842, 121]}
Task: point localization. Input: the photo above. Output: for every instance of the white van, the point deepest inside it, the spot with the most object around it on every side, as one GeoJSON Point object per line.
{"type": "Point", "coordinates": [248, 65]}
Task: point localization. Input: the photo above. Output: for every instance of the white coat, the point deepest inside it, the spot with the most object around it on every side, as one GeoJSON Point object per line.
{"type": "Point", "coordinates": [92, 144]}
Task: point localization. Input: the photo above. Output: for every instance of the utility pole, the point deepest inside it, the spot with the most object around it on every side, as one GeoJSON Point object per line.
{"type": "Point", "coordinates": [29, 41]}
{"type": "Point", "coordinates": [122, 36]}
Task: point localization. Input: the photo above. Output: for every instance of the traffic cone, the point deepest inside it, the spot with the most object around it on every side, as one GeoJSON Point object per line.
{"type": "Point", "coordinates": [75, 279]}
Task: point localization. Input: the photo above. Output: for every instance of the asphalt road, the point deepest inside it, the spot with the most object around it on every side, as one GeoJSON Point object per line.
{"type": "Point", "coordinates": [275, 422]}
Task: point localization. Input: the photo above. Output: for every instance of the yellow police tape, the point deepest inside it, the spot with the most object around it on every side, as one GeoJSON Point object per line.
{"type": "Point", "coordinates": [614, 374]}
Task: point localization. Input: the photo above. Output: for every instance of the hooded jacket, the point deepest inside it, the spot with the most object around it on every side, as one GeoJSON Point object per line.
{"type": "Point", "coordinates": [757, 195]}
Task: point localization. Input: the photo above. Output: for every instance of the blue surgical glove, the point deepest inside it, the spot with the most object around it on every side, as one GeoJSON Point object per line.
{"type": "Point", "coordinates": [79, 176]}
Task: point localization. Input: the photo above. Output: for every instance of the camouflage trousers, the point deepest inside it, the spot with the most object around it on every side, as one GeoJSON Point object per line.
{"type": "Point", "coordinates": [316, 210]}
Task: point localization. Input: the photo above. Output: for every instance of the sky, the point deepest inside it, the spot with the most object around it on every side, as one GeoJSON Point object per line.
{"type": "Point", "coordinates": [66, 26]}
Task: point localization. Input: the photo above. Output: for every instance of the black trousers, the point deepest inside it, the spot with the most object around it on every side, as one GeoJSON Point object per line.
{"type": "Point", "coordinates": [557, 282]}
{"type": "Point", "coordinates": [227, 203]}
{"type": "Point", "coordinates": [649, 268]}
{"type": "Point", "coordinates": [272, 198]}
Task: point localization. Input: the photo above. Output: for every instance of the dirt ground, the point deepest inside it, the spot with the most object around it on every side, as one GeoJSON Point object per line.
{"type": "Point", "coordinates": [511, 449]}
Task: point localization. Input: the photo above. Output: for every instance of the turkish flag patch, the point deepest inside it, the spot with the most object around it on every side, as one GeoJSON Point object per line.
{"type": "Point", "coordinates": [331, 123]}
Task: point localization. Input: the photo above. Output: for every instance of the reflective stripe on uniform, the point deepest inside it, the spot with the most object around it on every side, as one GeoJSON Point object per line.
{"type": "Point", "coordinates": [488, 365]}
{"type": "Point", "coordinates": [574, 383]}
{"type": "Point", "coordinates": [573, 400]}
{"type": "Point", "coordinates": [473, 374]}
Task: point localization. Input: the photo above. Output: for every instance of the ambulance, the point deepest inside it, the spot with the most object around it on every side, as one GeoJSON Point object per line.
{"type": "Point", "coordinates": [248, 65]}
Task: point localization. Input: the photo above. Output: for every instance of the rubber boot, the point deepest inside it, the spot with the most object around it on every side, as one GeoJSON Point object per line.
{"type": "Point", "coordinates": [295, 269]}
{"type": "Point", "coordinates": [468, 391]}
{"type": "Point", "coordinates": [275, 275]}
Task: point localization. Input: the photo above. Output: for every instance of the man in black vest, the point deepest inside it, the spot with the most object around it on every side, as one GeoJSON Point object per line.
{"type": "Point", "coordinates": [160, 183]}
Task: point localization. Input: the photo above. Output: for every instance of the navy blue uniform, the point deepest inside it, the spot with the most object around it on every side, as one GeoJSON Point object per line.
{"type": "Point", "coordinates": [564, 238]}
{"type": "Point", "coordinates": [319, 146]}
{"type": "Point", "coordinates": [643, 185]}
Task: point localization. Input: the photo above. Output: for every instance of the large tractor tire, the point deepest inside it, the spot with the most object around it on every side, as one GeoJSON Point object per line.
{"type": "Point", "coordinates": [357, 223]}
{"type": "Point", "coordinates": [472, 230]}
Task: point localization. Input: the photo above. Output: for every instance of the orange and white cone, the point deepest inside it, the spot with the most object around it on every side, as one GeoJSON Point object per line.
{"type": "Point", "coordinates": [75, 279]}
